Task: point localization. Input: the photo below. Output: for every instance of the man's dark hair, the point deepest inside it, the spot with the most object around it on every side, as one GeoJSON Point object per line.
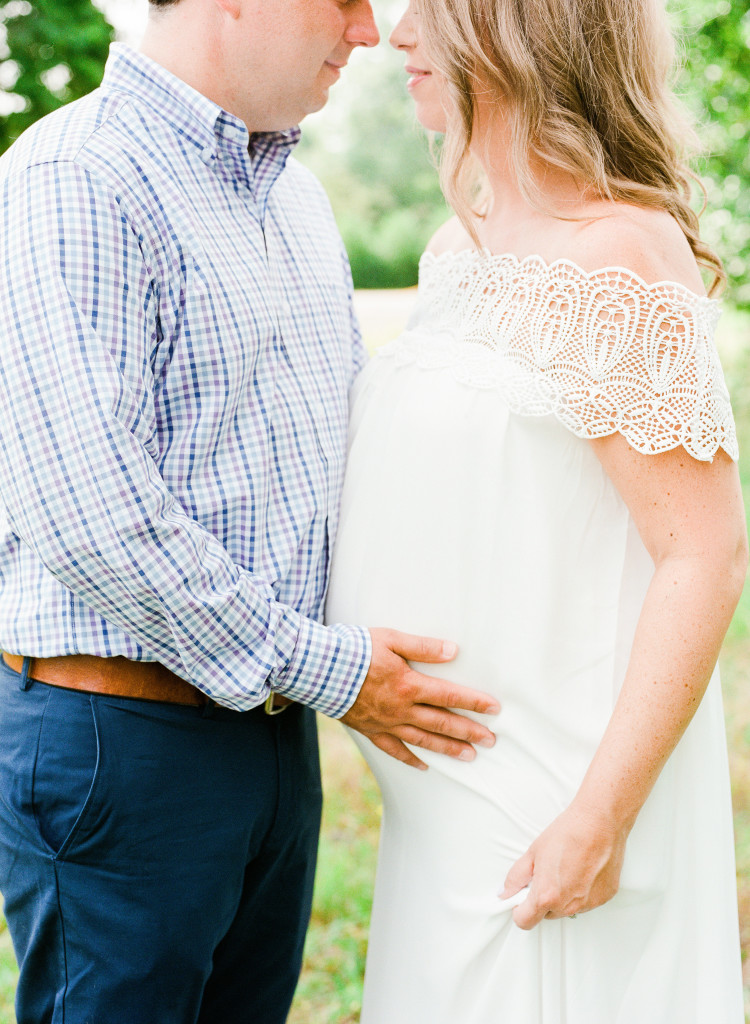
{"type": "Point", "coordinates": [163, 3]}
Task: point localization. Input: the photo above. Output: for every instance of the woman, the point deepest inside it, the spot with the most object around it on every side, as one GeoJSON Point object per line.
{"type": "Point", "coordinates": [541, 469]}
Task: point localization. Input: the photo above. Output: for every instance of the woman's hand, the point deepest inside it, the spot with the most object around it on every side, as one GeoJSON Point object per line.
{"type": "Point", "coordinates": [573, 866]}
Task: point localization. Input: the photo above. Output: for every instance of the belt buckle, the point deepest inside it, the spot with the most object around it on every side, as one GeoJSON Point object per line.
{"type": "Point", "coordinates": [270, 707]}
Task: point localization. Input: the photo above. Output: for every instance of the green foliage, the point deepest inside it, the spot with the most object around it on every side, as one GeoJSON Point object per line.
{"type": "Point", "coordinates": [384, 188]}
{"type": "Point", "coordinates": [331, 988]}
{"type": "Point", "coordinates": [369, 151]}
{"type": "Point", "coordinates": [736, 326]}
{"type": "Point", "coordinates": [716, 83]}
{"type": "Point", "coordinates": [374, 160]}
{"type": "Point", "coordinates": [53, 51]}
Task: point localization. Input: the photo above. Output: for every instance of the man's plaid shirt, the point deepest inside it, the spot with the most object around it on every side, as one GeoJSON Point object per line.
{"type": "Point", "coordinates": [177, 347]}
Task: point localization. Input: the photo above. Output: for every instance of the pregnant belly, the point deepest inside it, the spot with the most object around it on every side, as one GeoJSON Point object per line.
{"type": "Point", "coordinates": [463, 521]}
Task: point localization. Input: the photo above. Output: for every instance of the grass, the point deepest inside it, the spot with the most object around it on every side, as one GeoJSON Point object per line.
{"type": "Point", "coordinates": [331, 984]}
{"type": "Point", "coordinates": [7, 976]}
{"type": "Point", "coordinates": [331, 989]}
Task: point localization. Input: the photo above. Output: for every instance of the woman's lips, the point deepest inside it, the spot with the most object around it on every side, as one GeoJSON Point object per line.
{"type": "Point", "coordinates": [417, 75]}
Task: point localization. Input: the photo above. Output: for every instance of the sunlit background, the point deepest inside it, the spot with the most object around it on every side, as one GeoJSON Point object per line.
{"type": "Point", "coordinates": [374, 163]}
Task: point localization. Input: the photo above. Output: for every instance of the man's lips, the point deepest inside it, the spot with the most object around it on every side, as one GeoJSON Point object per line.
{"type": "Point", "coordinates": [336, 65]}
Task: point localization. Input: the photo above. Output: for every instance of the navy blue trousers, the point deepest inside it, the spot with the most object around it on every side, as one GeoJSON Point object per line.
{"type": "Point", "coordinates": [156, 861]}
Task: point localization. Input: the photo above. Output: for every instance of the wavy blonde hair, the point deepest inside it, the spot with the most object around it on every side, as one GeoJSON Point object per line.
{"type": "Point", "coordinates": [585, 85]}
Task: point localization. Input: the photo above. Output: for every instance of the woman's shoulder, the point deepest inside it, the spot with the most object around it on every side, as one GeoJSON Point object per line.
{"type": "Point", "coordinates": [449, 237]}
{"type": "Point", "coordinates": [647, 242]}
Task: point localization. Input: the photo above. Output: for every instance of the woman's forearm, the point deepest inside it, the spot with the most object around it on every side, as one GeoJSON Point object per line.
{"type": "Point", "coordinates": [690, 517]}
{"type": "Point", "coordinates": [686, 613]}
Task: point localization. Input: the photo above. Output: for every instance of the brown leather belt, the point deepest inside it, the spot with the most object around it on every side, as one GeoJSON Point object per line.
{"type": "Point", "coordinates": [121, 677]}
{"type": "Point", "coordinates": [117, 677]}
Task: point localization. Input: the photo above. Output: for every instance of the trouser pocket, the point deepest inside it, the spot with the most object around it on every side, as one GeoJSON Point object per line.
{"type": "Point", "coordinates": [66, 769]}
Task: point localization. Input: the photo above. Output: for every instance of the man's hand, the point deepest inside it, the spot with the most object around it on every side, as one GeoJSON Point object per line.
{"type": "Point", "coordinates": [397, 705]}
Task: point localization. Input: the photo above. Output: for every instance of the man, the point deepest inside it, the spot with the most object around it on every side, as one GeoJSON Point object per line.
{"type": "Point", "coordinates": [177, 347]}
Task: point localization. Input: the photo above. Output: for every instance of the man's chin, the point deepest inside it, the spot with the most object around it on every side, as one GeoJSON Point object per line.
{"type": "Point", "coordinates": [318, 101]}
{"type": "Point", "coordinates": [310, 105]}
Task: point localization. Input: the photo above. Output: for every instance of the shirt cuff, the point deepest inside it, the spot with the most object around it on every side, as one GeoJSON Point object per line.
{"type": "Point", "coordinates": [327, 667]}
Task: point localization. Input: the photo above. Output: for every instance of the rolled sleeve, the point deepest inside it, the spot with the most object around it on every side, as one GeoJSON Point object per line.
{"type": "Point", "coordinates": [327, 668]}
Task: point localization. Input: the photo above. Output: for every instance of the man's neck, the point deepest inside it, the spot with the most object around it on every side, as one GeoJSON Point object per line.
{"type": "Point", "coordinates": [188, 48]}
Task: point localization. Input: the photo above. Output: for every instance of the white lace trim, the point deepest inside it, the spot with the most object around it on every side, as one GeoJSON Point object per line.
{"type": "Point", "coordinates": [604, 352]}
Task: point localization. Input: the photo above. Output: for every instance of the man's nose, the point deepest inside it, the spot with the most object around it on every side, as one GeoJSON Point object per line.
{"type": "Point", "coordinates": [362, 30]}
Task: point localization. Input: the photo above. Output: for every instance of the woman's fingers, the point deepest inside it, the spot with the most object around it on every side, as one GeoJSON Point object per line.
{"type": "Point", "coordinates": [551, 904]}
{"type": "Point", "coordinates": [528, 914]}
{"type": "Point", "coordinates": [573, 866]}
{"type": "Point", "coordinates": [519, 876]}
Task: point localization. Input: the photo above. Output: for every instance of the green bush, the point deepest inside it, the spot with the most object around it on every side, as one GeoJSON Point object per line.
{"type": "Point", "coordinates": [716, 84]}
{"type": "Point", "coordinates": [384, 253]}
{"type": "Point", "coordinates": [52, 52]}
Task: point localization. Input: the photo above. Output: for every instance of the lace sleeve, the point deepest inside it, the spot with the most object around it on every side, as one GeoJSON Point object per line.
{"type": "Point", "coordinates": [605, 352]}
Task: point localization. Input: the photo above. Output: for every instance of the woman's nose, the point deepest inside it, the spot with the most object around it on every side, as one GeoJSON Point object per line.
{"type": "Point", "coordinates": [404, 35]}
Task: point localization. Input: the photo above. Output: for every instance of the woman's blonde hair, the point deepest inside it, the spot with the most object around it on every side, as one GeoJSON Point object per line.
{"type": "Point", "coordinates": [585, 86]}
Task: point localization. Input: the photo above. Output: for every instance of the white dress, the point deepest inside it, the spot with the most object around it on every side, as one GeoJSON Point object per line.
{"type": "Point", "coordinates": [474, 509]}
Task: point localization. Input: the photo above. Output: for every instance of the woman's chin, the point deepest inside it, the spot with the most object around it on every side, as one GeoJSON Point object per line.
{"type": "Point", "coordinates": [432, 120]}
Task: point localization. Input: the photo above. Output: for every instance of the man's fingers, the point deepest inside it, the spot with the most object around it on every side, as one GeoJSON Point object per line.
{"type": "Point", "coordinates": [418, 648]}
{"type": "Point", "coordinates": [397, 704]}
{"type": "Point", "coordinates": [443, 694]}
{"type": "Point", "coordinates": [437, 743]}
{"type": "Point", "coordinates": [440, 693]}
{"type": "Point", "coordinates": [437, 720]}
{"type": "Point", "coordinates": [395, 748]}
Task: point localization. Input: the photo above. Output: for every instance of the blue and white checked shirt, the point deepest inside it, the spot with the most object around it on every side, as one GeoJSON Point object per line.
{"type": "Point", "coordinates": [177, 347]}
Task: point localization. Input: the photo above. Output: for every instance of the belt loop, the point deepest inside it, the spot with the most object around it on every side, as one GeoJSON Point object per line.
{"type": "Point", "coordinates": [24, 682]}
{"type": "Point", "coordinates": [207, 708]}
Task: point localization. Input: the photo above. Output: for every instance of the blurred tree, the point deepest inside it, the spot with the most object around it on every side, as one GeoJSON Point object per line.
{"type": "Point", "coordinates": [51, 51]}
{"type": "Point", "coordinates": [716, 84]}
{"type": "Point", "coordinates": [374, 160]}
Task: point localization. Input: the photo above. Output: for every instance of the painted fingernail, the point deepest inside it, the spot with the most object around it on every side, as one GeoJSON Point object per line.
{"type": "Point", "coordinates": [449, 649]}
{"type": "Point", "coordinates": [494, 709]}
{"type": "Point", "coordinates": [467, 755]}
{"type": "Point", "coordinates": [487, 741]}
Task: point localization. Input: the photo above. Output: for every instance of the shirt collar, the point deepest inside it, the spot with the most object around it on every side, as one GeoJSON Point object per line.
{"type": "Point", "coordinates": [223, 139]}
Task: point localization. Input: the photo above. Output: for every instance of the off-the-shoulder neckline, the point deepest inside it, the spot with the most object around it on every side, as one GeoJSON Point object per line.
{"type": "Point", "coordinates": [484, 253]}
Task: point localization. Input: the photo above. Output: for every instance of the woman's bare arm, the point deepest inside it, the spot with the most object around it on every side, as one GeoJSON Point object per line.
{"type": "Point", "coordinates": [691, 519]}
